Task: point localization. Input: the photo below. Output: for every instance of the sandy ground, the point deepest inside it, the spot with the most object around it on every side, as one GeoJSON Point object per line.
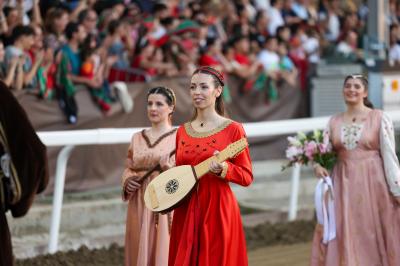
{"type": "Point", "coordinates": [268, 244]}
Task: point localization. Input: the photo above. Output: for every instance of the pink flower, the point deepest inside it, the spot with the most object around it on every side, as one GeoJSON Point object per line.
{"type": "Point", "coordinates": [326, 138]}
{"type": "Point", "coordinates": [323, 148]}
{"type": "Point", "coordinates": [310, 149]}
{"type": "Point", "coordinates": [292, 152]}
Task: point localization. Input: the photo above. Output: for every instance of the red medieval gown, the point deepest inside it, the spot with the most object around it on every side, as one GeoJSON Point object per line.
{"type": "Point", "coordinates": [207, 228]}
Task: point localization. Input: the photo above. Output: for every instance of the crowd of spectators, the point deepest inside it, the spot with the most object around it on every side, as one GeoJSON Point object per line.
{"type": "Point", "coordinates": [55, 47]}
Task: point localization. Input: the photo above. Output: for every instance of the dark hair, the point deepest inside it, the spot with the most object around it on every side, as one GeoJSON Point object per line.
{"type": "Point", "coordinates": [364, 82]}
{"type": "Point", "coordinates": [168, 93]}
{"type": "Point", "coordinates": [113, 26]}
{"type": "Point", "coordinates": [218, 79]}
{"type": "Point", "coordinates": [7, 10]}
{"type": "Point", "coordinates": [86, 49]}
{"type": "Point", "coordinates": [273, 2]}
{"type": "Point", "coordinates": [159, 7]}
{"type": "Point", "coordinates": [82, 15]}
{"type": "Point", "coordinates": [51, 15]}
{"type": "Point", "coordinates": [71, 28]}
{"type": "Point", "coordinates": [20, 31]}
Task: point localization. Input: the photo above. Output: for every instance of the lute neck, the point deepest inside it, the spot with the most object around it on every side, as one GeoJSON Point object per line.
{"type": "Point", "coordinates": [203, 167]}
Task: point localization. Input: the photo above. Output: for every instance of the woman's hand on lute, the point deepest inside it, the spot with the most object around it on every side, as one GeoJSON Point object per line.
{"type": "Point", "coordinates": [216, 167]}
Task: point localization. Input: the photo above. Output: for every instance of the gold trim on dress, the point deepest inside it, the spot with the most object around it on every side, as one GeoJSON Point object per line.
{"type": "Point", "coordinates": [158, 140]}
{"type": "Point", "coordinates": [196, 134]}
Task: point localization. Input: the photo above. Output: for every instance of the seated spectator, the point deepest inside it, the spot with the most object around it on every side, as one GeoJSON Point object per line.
{"type": "Point", "coordinates": [119, 44]}
{"type": "Point", "coordinates": [151, 60]}
{"type": "Point", "coordinates": [261, 24]}
{"type": "Point", "coordinates": [47, 71]}
{"type": "Point", "coordinates": [212, 56]}
{"type": "Point", "coordinates": [93, 68]}
{"type": "Point", "coordinates": [23, 37]}
{"type": "Point", "coordinates": [275, 16]}
{"type": "Point", "coordinates": [12, 75]}
{"type": "Point", "coordinates": [243, 63]}
{"type": "Point", "coordinates": [394, 49]}
{"type": "Point", "coordinates": [288, 14]}
{"type": "Point", "coordinates": [330, 20]}
{"type": "Point", "coordinates": [283, 33]}
{"type": "Point", "coordinates": [88, 18]}
{"type": "Point", "coordinates": [348, 47]}
{"type": "Point", "coordinates": [288, 70]}
{"type": "Point", "coordinates": [300, 9]}
{"type": "Point", "coordinates": [69, 70]}
{"type": "Point", "coordinates": [37, 46]}
{"type": "Point", "coordinates": [268, 56]}
{"type": "Point", "coordinates": [312, 48]}
{"type": "Point", "coordinates": [12, 18]}
{"type": "Point", "coordinates": [55, 24]}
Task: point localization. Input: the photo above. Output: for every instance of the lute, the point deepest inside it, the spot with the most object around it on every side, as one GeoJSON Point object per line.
{"type": "Point", "coordinates": [169, 188]}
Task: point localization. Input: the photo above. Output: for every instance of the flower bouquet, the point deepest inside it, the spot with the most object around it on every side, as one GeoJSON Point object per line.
{"type": "Point", "coordinates": [311, 148]}
{"type": "Point", "coordinates": [316, 148]}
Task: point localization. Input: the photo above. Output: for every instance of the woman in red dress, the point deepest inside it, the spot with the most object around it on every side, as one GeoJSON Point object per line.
{"type": "Point", "coordinates": [207, 227]}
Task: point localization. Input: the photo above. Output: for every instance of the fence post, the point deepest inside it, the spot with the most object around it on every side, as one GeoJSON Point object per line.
{"type": "Point", "coordinates": [294, 193]}
{"type": "Point", "coordinates": [58, 194]}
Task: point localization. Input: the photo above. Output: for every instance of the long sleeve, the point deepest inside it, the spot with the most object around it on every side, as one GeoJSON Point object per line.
{"type": "Point", "coordinates": [128, 172]}
{"type": "Point", "coordinates": [239, 168]}
{"type": "Point", "coordinates": [388, 153]}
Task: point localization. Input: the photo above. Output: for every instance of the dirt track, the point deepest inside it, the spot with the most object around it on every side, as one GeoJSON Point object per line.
{"type": "Point", "coordinates": [268, 244]}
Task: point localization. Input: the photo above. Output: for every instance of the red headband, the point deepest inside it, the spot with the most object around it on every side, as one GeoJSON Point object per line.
{"type": "Point", "coordinates": [213, 72]}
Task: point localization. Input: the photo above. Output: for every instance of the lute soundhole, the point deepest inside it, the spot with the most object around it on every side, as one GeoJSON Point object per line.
{"type": "Point", "coordinates": [172, 186]}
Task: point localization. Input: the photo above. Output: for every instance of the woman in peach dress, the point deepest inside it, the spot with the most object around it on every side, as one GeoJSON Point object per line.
{"type": "Point", "coordinates": [366, 184]}
{"type": "Point", "coordinates": [147, 233]}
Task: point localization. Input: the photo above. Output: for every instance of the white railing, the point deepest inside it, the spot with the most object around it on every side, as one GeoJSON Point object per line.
{"type": "Point", "coordinates": [70, 139]}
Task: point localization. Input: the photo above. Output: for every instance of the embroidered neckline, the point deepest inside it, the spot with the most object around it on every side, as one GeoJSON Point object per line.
{"type": "Point", "coordinates": [196, 134]}
{"type": "Point", "coordinates": [364, 120]}
{"type": "Point", "coordinates": [160, 138]}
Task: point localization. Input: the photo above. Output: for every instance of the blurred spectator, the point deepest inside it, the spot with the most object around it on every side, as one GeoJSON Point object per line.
{"type": "Point", "coordinates": [348, 47]}
{"type": "Point", "coordinates": [269, 55]}
{"type": "Point", "coordinates": [55, 24]}
{"type": "Point", "coordinates": [288, 70]}
{"type": "Point", "coordinates": [261, 24]}
{"type": "Point", "coordinates": [393, 19]}
{"type": "Point", "coordinates": [88, 18]}
{"type": "Point", "coordinates": [93, 68]}
{"type": "Point", "coordinates": [151, 60]}
{"type": "Point", "coordinates": [212, 56]}
{"type": "Point", "coordinates": [394, 49]}
{"type": "Point", "coordinates": [331, 16]}
{"type": "Point", "coordinates": [69, 70]}
{"type": "Point", "coordinates": [118, 43]}
{"type": "Point", "coordinates": [312, 49]}
{"type": "Point", "coordinates": [288, 14]}
{"type": "Point", "coordinates": [263, 42]}
{"type": "Point", "coordinates": [47, 71]}
{"type": "Point", "coordinates": [275, 16]}
{"type": "Point", "coordinates": [249, 9]}
{"type": "Point", "coordinates": [283, 34]}
{"type": "Point", "coordinates": [24, 38]}
{"type": "Point", "coordinates": [11, 75]}
{"type": "Point", "coordinates": [300, 9]}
